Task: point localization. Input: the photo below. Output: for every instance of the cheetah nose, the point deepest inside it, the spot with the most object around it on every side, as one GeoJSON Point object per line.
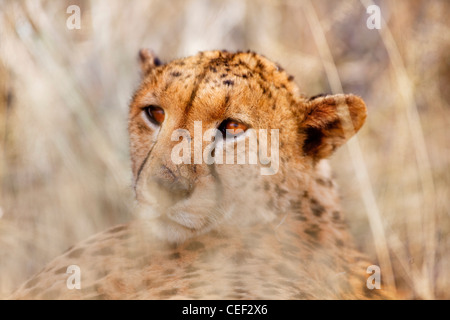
{"type": "Point", "coordinates": [174, 183]}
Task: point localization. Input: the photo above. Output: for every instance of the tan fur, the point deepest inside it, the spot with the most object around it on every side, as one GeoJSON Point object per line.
{"type": "Point", "coordinates": [224, 230]}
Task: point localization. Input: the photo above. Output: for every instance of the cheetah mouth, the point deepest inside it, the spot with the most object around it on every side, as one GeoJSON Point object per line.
{"type": "Point", "coordinates": [186, 220]}
{"type": "Point", "coordinates": [182, 213]}
{"type": "Point", "coordinates": [157, 203]}
{"type": "Point", "coordinates": [178, 226]}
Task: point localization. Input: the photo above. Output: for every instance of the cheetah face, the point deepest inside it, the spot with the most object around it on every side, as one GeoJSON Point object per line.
{"type": "Point", "coordinates": [186, 121]}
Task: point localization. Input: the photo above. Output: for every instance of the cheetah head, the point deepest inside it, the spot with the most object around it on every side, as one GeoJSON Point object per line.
{"type": "Point", "coordinates": [186, 121]}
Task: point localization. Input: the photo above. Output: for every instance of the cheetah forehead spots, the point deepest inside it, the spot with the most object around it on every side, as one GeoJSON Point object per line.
{"type": "Point", "coordinates": [246, 77]}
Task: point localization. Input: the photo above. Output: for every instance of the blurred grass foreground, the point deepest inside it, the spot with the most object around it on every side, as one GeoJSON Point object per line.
{"type": "Point", "coordinates": [64, 167]}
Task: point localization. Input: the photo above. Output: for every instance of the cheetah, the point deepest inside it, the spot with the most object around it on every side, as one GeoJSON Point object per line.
{"type": "Point", "coordinates": [224, 230]}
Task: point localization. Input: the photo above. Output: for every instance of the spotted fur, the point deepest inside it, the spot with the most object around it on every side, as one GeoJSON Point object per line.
{"type": "Point", "coordinates": [225, 231]}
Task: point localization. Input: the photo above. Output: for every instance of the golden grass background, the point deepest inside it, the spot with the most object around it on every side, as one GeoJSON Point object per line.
{"type": "Point", "coordinates": [64, 167]}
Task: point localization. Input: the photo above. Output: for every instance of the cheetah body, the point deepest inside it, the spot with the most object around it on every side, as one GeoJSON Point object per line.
{"type": "Point", "coordinates": [224, 231]}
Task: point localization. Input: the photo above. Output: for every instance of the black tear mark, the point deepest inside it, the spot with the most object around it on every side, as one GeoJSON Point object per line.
{"type": "Point", "coordinates": [228, 82]}
{"type": "Point", "coordinates": [175, 73]}
{"type": "Point", "coordinates": [141, 167]}
{"type": "Point", "coordinates": [317, 208]}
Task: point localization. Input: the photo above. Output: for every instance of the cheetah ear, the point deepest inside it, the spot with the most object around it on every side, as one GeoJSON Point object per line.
{"type": "Point", "coordinates": [329, 121]}
{"type": "Point", "coordinates": [148, 60]}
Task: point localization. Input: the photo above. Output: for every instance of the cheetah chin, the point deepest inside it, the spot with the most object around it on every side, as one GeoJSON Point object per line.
{"type": "Point", "coordinates": [182, 221]}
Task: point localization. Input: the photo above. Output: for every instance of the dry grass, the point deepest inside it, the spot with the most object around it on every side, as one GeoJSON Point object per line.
{"type": "Point", "coordinates": [64, 168]}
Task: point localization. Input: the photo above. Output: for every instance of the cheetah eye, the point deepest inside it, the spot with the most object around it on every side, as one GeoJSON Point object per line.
{"type": "Point", "coordinates": [155, 114]}
{"type": "Point", "coordinates": [232, 128]}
